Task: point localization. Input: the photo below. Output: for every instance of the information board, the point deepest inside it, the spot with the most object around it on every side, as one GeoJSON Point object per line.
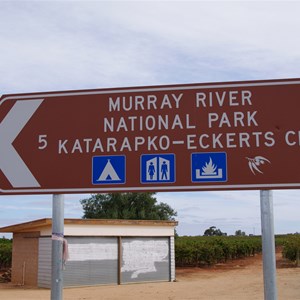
{"type": "Point", "coordinates": [210, 136]}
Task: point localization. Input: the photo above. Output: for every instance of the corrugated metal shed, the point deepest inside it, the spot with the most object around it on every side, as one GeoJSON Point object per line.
{"type": "Point", "coordinates": [101, 251]}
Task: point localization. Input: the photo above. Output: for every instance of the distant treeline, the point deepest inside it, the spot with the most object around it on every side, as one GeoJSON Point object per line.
{"type": "Point", "coordinates": [210, 250]}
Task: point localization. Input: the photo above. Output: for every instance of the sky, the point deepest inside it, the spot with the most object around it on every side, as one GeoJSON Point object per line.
{"type": "Point", "coordinates": [74, 45]}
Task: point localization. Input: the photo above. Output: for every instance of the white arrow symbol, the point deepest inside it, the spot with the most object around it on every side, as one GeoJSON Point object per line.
{"type": "Point", "coordinates": [11, 164]}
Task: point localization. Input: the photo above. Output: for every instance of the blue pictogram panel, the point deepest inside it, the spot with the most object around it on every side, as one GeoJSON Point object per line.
{"type": "Point", "coordinates": [209, 167]}
{"type": "Point", "coordinates": [109, 169]}
{"type": "Point", "coordinates": [157, 168]}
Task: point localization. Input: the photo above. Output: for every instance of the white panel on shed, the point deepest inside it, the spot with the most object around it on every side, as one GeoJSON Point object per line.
{"type": "Point", "coordinates": [145, 259]}
{"type": "Point", "coordinates": [92, 261]}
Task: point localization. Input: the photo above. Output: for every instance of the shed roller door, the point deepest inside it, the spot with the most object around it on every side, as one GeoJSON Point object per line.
{"type": "Point", "coordinates": [92, 261]}
{"type": "Point", "coordinates": [44, 263]}
{"type": "Point", "coordinates": [145, 259]}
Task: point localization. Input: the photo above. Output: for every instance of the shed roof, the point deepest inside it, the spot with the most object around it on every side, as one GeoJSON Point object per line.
{"type": "Point", "coordinates": [21, 227]}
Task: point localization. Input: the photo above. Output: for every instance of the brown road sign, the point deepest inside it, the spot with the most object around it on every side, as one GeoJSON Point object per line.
{"type": "Point", "coordinates": [234, 135]}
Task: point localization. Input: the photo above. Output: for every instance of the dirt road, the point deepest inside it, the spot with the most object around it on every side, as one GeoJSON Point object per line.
{"type": "Point", "coordinates": [238, 280]}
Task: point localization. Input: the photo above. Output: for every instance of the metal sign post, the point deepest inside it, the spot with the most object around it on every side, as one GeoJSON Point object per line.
{"type": "Point", "coordinates": [268, 244]}
{"type": "Point", "coordinates": [57, 247]}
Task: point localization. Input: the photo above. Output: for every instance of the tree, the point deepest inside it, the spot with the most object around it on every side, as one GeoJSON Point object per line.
{"type": "Point", "coordinates": [213, 231]}
{"type": "Point", "coordinates": [131, 206]}
{"type": "Point", "coordinates": [240, 233]}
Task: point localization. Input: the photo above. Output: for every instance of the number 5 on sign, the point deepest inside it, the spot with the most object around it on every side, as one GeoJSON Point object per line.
{"type": "Point", "coordinates": [43, 141]}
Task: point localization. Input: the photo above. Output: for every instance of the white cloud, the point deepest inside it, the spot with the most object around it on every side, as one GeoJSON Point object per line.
{"type": "Point", "coordinates": [69, 45]}
{"type": "Point", "coordinates": [232, 210]}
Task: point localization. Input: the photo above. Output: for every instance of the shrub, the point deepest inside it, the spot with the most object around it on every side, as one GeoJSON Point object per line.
{"type": "Point", "coordinates": [5, 253]}
{"type": "Point", "coordinates": [209, 250]}
{"type": "Point", "coordinates": [291, 248]}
